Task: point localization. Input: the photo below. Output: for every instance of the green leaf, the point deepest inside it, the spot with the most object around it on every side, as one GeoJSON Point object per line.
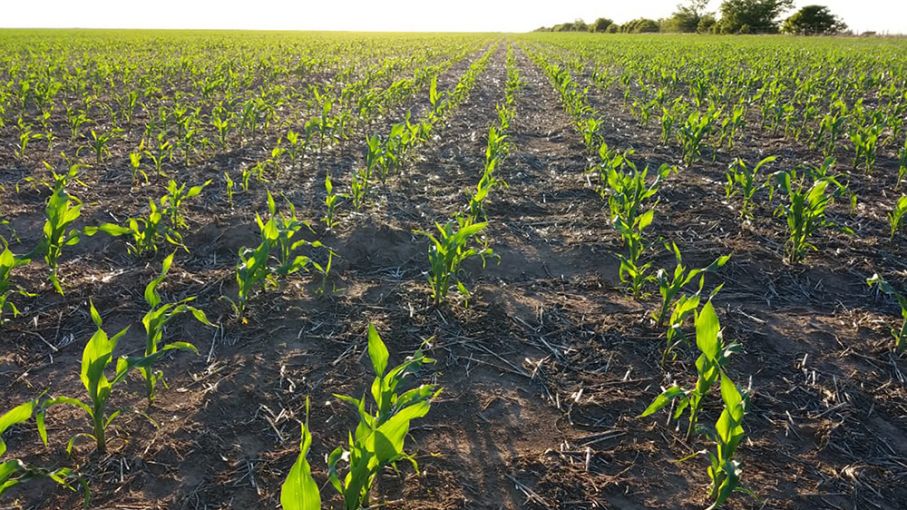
{"type": "Point", "coordinates": [377, 351]}
{"type": "Point", "coordinates": [662, 400]}
{"type": "Point", "coordinates": [707, 330]}
{"type": "Point", "coordinates": [300, 491]}
{"type": "Point", "coordinates": [19, 414]}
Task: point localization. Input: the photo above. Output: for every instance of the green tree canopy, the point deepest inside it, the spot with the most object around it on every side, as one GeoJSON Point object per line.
{"type": "Point", "coordinates": [639, 26]}
{"type": "Point", "coordinates": [601, 25]}
{"type": "Point", "coordinates": [687, 16]}
{"type": "Point", "coordinates": [752, 16]}
{"type": "Point", "coordinates": [813, 20]}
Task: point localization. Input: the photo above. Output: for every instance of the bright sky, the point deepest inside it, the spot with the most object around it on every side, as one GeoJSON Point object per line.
{"type": "Point", "coordinates": [884, 16]}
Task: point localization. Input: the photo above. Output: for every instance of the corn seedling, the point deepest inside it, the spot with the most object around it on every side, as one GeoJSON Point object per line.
{"type": "Point", "coordinates": [743, 180]}
{"type": "Point", "coordinates": [146, 233]}
{"type": "Point", "coordinates": [8, 262]}
{"type": "Point", "coordinates": [732, 124]}
{"type": "Point", "coordinates": [61, 212]}
{"type": "Point", "coordinates": [300, 490]}
{"type": "Point", "coordinates": [173, 202]}
{"type": "Point", "coordinates": [693, 131]}
{"type": "Point", "coordinates": [496, 150]}
{"type": "Point", "coordinates": [589, 128]}
{"type": "Point", "coordinates": [253, 271]}
{"type": "Point", "coordinates": [96, 357]}
{"type": "Point", "coordinates": [383, 425]}
{"type": "Point", "coordinates": [359, 185]}
{"type": "Point", "coordinates": [723, 470]}
{"type": "Point", "coordinates": [709, 366]}
{"type": "Point", "coordinates": [379, 438]}
{"type": "Point", "coordinates": [670, 288]}
{"type": "Point", "coordinates": [900, 335]}
{"type": "Point", "coordinates": [865, 141]}
{"type": "Point", "coordinates": [287, 243]}
{"type": "Point", "coordinates": [331, 201]}
{"type": "Point", "coordinates": [14, 471]}
{"type": "Point", "coordinates": [295, 147]}
{"type": "Point", "coordinates": [448, 250]}
{"type": "Point", "coordinates": [100, 144]}
{"type": "Point", "coordinates": [155, 322]}
{"type": "Point", "coordinates": [896, 216]}
{"type": "Point", "coordinates": [804, 212]}
{"type": "Point", "coordinates": [632, 272]}
{"type": "Point", "coordinates": [25, 136]}
{"type": "Point", "coordinates": [902, 164]}
{"type": "Point", "coordinates": [75, 120]}
{"type": "Point", "coordinates": [628, 192]}
{"type": "Point", "coordinates": [230, 188]}
{"type": "Point", "coordinates": [163, 151]}
{"type": "Point", "coordinates": [135, 162]}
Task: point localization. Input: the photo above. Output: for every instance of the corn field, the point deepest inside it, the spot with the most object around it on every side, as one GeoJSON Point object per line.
{"type": "Point", "coordinates": [441, 271]}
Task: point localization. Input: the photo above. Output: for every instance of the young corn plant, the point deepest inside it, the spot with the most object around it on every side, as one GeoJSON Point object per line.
{"type": "Point", "coordinates": [865, 140]}
{"type": "Point", "coordinates": [147, 233]}
{"type": "Point", "coordinates": [633, 272]}
{"type": "Point", "coordinates": [300, 490]}
{"type": "Point", "coordinates": [732, 124]}
{"type": "Point", "coordinates": [163, 152]}
{"type": "Point", "coordinates": [230, 188]}
{"type": "Point", "coordinates": [804, 212]}
{"type": "Point", "coordinates": [628, 192]}
{"type": "Point", "coordinates": [709, 367]}
{"type": "Point", "coordinates": [100, 144]}
{"type": "Point", "coordinates": [8, 262]}
{"type": "Point", "coordinates": [135, 162]}
{"type": "Point", "coordinates": [96, 357]}
{"type": "Point", "coordinates": [900, 335]}
{"type": "Point", "coordinates": [831, 127]}
{"type": "Point", "coordinates": [449, 248]}
{"type": "Point", "coordinates": [173, 202]}
{"type": "Point", "coordinates": [377, 442]}
{"type": "Point", "coordinates": [289, 226]}
{"type": "Point", "coordinates": [675, 305]}
{"type": "Point", "coordinates": [693, 131]}
{"type": "Point", "coordinates": [25, 136]}
{"type": "Point", "coordinates": [896, 216]}
{"type": "Point", "coordinates": [14, 471]}
{"type": "Point", "coordinates": [155, 322]}
{"type": "Point", "coordinates": [724, 471]}
{"type": "Point", "coordinates": [383, 425]}
{"type": "Point", "coordinates": [61, 212]}
{"type": "Point", "coordinates": [253, 271]}
{"type": "Point", "coordinates": [331, 201]}
{"type": "Point", "coordinates": [361, 181]}
{"type": "Point", "coordinates": [743, 180]}
{"type": "Point", "coordinates": [295, 147]}
{"type": "Point", "coordinates": [495, 151]}
{"type": "Point", "coordinates": [902, 164]}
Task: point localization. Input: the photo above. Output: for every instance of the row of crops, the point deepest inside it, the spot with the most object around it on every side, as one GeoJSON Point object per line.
{"type": "Point", "coordinates": [134, 143]}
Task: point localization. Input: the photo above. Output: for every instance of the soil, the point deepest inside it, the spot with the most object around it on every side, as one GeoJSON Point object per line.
{"type": "Point", "coordinates": [545, 372]}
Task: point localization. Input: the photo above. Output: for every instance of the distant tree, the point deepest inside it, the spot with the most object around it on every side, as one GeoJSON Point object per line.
{"type": "Point", "coordinates": [707, 24]}
{"type": "Point", "coordinates": [601, 25]}
{"type": "Point", "coordinates": [752, 16]}
{"type": "Point", "coordinates": [613, 28]}
{"type": "Point", "coordinates": [574, 26]}
{"type": "Point", "coordinates": [640, 26]}
{"type": "Point", "coordinates": [687, 16]}
{"type": "Point", "coordinates": [813, 20]}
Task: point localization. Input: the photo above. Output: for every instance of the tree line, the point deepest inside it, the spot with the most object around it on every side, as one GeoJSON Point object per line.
{"type": "Point", "coordinates": [734, 17]}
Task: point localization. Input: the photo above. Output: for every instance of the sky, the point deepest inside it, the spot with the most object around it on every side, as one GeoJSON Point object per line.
{"type": "Point", "coordinates": [884, 16]}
